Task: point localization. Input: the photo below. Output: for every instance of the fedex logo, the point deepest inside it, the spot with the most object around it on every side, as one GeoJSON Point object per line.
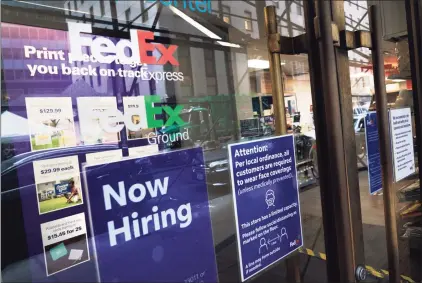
{"type": "Point", "coordinates": [294, 243]}
{"type": "Point", "coordinates": [104, 50]}
{"type": "Point", "coordinates": [144, 107]}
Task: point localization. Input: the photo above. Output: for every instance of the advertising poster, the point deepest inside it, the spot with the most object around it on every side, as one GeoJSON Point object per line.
{"type": "Point", "coordinates": [135, 111]}
{"type": "Point", "coordinates": [52, 79]}
{"type": "Point", "coordinates": [65, 243]}
{"type": "Point", "coordinates": [58, 183]}
{"type": "Point", "coordinates": [145, 150]}
{"type": "Point", "coordinates": [153, 212]}
{"type": "Point", "coordinates": [50, 122]}
{"type": "Point", "coordinates": [266, 202]}
{"type": "Point", "coordinates": [104, 157]}
{"type": "Point", "coordinates": [92, 119]}
{"type": "Point", "coordinates": [402, 143]}
{"type": "Point", "coordinates": [373, 153]}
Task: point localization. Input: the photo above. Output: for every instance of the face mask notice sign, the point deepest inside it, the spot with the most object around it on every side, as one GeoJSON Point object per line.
{"type": "Point", "coordinates": [150, 219]}
{"type": "Point", "coordinates": [402, 143]}
{"type": "Point", "coordinates": [266, 202]}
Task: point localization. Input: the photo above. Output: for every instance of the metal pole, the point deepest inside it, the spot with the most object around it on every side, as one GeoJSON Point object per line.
{"type": "Point", "coordinates": [413, 15]}
{"type": "Point", "coordinates": [292, 263]}
{"type": "Point", "coordinates": [336, 163]}
{"type": "Point", "coordinates": [276, 74]}
{"type": "Point", "coordinates": [330, 237]}
{"type": "Point", "coordinates": [385, 146]}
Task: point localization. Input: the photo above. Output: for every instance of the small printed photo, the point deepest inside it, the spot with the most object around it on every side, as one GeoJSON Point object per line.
{"type": "Point", "coordinates": [59, 194]}
{"type": "Point", "coordinates": [140, 134]}
{"type": "Point", "coordinates": [54, 133]}
{"type": "Point", "coordinates": [66, 253]}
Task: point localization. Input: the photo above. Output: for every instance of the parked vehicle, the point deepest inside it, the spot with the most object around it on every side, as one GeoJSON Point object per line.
{"type": "Point", "coordinates": [205, 129]}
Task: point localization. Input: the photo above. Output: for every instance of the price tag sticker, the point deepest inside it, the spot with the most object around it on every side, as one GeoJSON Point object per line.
{"type": "Point", "coordinates": [49, 107]}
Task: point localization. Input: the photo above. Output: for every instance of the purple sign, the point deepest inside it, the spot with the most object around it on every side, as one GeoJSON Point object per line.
{"type": "Point", "coordinates": [373, 153]}
{"type": "Point", "coordinates": [266, 202]}
{"type": "Point", "coordinates": [152, 212]}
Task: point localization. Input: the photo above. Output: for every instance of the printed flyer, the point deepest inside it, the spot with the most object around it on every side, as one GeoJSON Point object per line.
{"type": "Point", "coordinates": [401, 132]}
{"type": "Point", "coordinates": [136, 111]}
{"type": "Point", "coordinates": [58, 183]}
{"type": "Point", "coordinates": [65, 243]}
{"type": "Point", "coordinates": [104, 157]}
{"type": "Point", "coordinates": [51, 122]}
{"type": "Point", "coordinates": [92, 119]}
{"type": "Point", "coordinates": [266, 202]}
{"type": "Point", "coordinates": [145, 150]}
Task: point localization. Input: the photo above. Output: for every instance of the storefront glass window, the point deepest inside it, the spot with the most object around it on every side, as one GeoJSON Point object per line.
{"type": "Point", "coordinates": [399, 98]}
{"type": "Point", "coordinates": [205, 79]}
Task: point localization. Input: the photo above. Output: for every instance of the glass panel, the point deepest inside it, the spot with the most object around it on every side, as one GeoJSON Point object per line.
{"type": "Point", "coordinates": [399, 96]}
{"type": "Point", "coordinates": [206, 63]}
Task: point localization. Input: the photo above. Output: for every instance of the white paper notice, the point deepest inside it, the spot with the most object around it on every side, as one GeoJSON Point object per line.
{"type": "Point", "coordinates": [50, 121]}
{"type": "Point", "coordinates": [145, 150]}
{"type": "Point", "coordinates": [136, 118]}
{"type": "Point", "coordinates": [402, 143]}
{"type": "Point", "coordinates": [92, 120]}
{"type": "Point", "coordinates": [58, 183]}
{"type": "Point", "coordinates": [65, 243]}
{"type": "Point", "coordinates": [104, 157]}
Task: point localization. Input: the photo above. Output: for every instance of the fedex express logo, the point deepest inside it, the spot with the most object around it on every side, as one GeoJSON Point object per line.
{"type": "Point", "coordinates": [104, 50]}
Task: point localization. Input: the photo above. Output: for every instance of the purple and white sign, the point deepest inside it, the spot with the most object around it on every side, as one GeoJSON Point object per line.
{"type": "Point", "coordinates": [373, 152]}
{"type": "Point", "coordinates": [153, 212]}
{"type": "Point", "coordinates": [266, 202]}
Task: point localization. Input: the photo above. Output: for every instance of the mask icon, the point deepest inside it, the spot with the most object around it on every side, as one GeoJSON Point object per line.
{"type": "Point", "coordinates": [269, 198]}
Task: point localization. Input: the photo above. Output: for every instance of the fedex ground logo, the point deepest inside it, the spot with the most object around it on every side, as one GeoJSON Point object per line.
{"type": "Point", "coordinates": [141, 113]}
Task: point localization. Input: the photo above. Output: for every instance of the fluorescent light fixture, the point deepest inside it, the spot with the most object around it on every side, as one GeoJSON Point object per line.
{"type": "Point", "coordinates": [260, 64]}
{"type": "Point", "coordinates": [194, 23]}
{"type": "Point", "coordinates": [228, 44]}
{"type": "Point", "coordinates": [398, 80]}
{"type": "Point", "coordinates": [53, 7]}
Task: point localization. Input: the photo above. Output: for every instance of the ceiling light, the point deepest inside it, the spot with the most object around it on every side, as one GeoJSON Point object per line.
{"type": "Point", "coordinates": [398, 80]}
{"type": "Point", "coordinates": [260, 64]}
{"type": "Point", "coordinates": [53, 7]}
{"type": "Point", "coordinates": [228, 44]}
{"type": "Point", "coordinates": [194, 23]}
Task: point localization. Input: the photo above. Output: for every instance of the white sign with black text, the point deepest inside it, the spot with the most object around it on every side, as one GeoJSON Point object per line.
{"type": "Point", "coordinates": [402, 143]}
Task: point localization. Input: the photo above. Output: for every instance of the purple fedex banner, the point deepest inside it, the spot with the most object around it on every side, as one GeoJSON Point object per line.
{"type": "Point", "coordinates": [150, 219]}
{"type": "Point", "coordinates": [266, 202]}
{"type": "Point", "coordinates": [17, 165]}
